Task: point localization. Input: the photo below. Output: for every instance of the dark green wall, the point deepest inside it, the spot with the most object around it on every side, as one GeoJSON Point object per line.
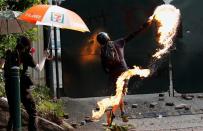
{"type": "Point", "coordinates": [187, 60]}
{"type": "Point", "coordinates": [118, 18]}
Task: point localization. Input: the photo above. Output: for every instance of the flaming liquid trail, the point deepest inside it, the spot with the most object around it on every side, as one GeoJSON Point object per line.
{"type": "Point", "coordinates": [114, 100]}
{"type": "Point", "coordinates": [167, 18]}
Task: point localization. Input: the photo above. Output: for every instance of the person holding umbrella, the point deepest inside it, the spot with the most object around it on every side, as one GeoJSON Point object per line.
{"type": "Point", "coordinates": [113, 63]}
{"type": "Point", "coordinates": [21, 56]}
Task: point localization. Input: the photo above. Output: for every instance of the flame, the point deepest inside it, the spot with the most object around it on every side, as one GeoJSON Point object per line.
{"type": "Point", "coordinates": [168, 19]}
{"type": "Point", "coordinates": [90, 49]}
{"type": "Point", "coordinates": [114, 100]}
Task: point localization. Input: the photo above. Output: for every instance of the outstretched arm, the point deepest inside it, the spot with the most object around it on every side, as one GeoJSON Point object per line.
{"type": "Point", "coordinates": [40, 66]}
{"type": "Point", "coordinates": [140, 29]}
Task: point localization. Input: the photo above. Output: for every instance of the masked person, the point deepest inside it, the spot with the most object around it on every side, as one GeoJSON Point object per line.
{"type": "Point", "coordinates": [113, 63]}
{"type": "Point", "coordinates": [21, 56]}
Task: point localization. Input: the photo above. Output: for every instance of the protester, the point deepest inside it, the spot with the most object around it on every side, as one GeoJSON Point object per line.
{"type": "Point", "coordinates": [113, 63]}
{"type": "Point", "coordinates": [22, 57]}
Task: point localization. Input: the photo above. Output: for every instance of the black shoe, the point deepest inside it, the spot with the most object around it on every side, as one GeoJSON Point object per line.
{"type": "Point", "coordinates": [124, 117]}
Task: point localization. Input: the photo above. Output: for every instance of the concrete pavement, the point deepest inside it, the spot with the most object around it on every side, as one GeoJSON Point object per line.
{"type": "Point", "coordinates": [144, 117]}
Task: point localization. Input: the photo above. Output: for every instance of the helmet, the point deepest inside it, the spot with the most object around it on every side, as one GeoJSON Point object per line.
{"type": "Point", "coordinates": [103, 38]}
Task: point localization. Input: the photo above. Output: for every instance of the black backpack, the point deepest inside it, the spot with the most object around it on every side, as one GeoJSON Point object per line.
{"type": "Point", "coordinates": [109, 55]}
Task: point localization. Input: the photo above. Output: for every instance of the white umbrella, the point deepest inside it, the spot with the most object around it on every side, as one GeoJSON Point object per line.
{"type": "Point", "coordinates": [10, 24]}
{"type": "Point", "coordinates": [56, 16]}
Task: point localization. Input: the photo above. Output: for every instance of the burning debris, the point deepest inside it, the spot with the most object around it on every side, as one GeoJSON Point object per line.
{"type": "Point", "coordinates": [167, 19]}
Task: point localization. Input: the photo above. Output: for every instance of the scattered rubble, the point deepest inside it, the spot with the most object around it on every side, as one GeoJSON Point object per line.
{"type": "Point", "coordinates": [66, 115]}
{"type": "Point", "coordinates": [153, 104]}
{"type": "Point", "coordinates": [161, 95]}
{"type": "Point", "coordinates": [83, 123]}
{"type": "Point", "coordinates": [200, 96]}
{"type": "Point", "coordinates": [134, 105]}
{"type": "Point", "coordinates": [161, 98]}
{"type": "Point", "coordinates": [182, 106]}
{"type": "Point", "coordinates": [187, 97]}
{"type": "Point", "coordinates": [88, 119]}
{"type": "Point", "coordinates": [160, 116]}
{"type": "Point", "coordinates": [188, 107]}
{"type": "Point", "coordinates": [169, 104]}
{"type": "Point", "coordinates": [138, 108]}
{"type": "Point", "coordinates": [74, 124]}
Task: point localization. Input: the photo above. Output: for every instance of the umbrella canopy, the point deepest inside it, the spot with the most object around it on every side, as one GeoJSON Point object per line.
{"type": "Point", "coordinates": [52, 15]}
{"type": "Point", "coordinates": [10, 24]}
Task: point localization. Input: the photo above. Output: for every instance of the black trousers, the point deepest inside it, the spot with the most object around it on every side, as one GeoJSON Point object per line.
{"type": "Point", "coordinates": [113, 76]}
{"type": "Point", "coordinates": [28, 103]}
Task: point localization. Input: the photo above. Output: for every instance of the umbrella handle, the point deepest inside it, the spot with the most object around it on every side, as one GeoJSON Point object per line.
{"type": "Point", "coordinates": [49, 48]}
{"type": "Point", "coordinates": [48, 55]}
{"type": "Point", "coordinates": [49, 42]}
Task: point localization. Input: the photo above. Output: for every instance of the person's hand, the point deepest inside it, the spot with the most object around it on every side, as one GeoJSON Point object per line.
{"type": "Point", "coordinates": [47, 55]}
{"type": "Point", "coordinates": [147, 23]}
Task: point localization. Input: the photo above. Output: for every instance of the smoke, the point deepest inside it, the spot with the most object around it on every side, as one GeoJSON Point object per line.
{"type": "Point", "coordinates": [154, 66]}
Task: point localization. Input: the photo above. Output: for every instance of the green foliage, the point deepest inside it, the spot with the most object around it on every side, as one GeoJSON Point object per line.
{"type": "Point", "coordinates": [115, 127]}
{"type": "Point", "coordinates": [2, 89]}
{"type": "Point", "coordinates": [2, 3]}
{"type": "Point", "coordinates": [51, 110]}
{"type": "Point", "coordinates": [41, 93]}
{"type": "Point", "coordinates": [31, 34]}
{"type": "Point", "coordinates": [22, 5]}
{"type": "Point", "coordinates": [9, 41]}
{"type": "Point", "coordinates": [47, 108]}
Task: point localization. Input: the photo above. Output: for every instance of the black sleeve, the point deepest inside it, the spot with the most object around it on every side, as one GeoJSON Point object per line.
{"type": "Point", "coordinates": [139, 30]}
{"type": "Point", "coordinates": [105, 68]}
{"type": "Point", "coordinates": [29, 60]}
{"type": "Point", "coordinates": [120, 42]}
